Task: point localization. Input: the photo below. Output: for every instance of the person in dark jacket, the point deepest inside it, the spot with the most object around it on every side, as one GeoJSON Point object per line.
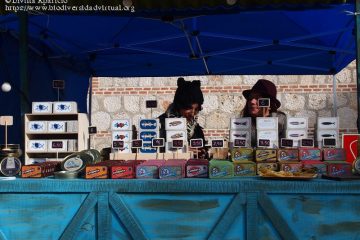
{"type": "Point", "coordinates": [187, 103]}
{"type": "Point", "coordinates": [263, 89]}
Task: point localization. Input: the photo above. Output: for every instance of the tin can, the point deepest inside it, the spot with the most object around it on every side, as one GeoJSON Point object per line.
{"type": "Point", "coordinates": [10, 150]}
{"type": "Point", "coordinates": [10, 166]}
{"type": "Point", "coordinates": [76, 162]}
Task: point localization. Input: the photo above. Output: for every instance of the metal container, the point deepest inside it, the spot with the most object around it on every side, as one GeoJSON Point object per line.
{"type": "Point", "coordinates": [10, 150]}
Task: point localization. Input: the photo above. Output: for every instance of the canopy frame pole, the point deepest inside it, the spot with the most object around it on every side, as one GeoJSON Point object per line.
{"type": "Point", "coordinates": [357, 25]}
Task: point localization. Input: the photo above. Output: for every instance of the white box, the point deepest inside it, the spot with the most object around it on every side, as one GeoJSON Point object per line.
{"type": "Point", "coordinates": [57, 145]}
{"type": "Point", "coordinates": [176, 135]}
{"type": "Point", "coordinates": [72, 145]}
{"type": "Point", "coordinates": [37, 145]}
{"type": "Point", "coordinates": [271, 135]}
{"type": "Point", "coordinates": [149, 124]}
{"type": "Point", "coordinates": [72, 126]}
{"type": "Point", "coordinates": [37, 126]}
{"type": "Point", "coordinates": [121, 124]}
{"type": "Point", "coordinates": [240, 134]}
{"type": "Point", "coordinates": [328, 123]}
{"type": "Point", "coordinates": [175, 123]}
{"type": "Point", "coordinates": [56, 126]}
{"type": "Point", "coordinates": [243, 123]}
{"type": "Point", "coordinates": [327, 133]}
{"type": "Point", "coordinates": [297, 122]}
{"type": "Point", "coordinates": [125, 136]}
{"type": "Point", "coordinates": [296, 134]}
{"type": "Point", "coordinates": [42, 107]}
{"type": "Point", "coordinates": [265, 123]}
{"type": "Point", "coordinates": [65, 107]}
{"type": "Point", "coordinates": [147, 136]}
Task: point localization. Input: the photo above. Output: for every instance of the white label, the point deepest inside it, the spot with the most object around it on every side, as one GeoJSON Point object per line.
{"type": "Point", "coordinates": [175, 123]}
{"type": "Point", "coordinates": [121, 124]}
{"type": "Point", "coordinates": [73, 164]}
{"type": "Point", "coordinates": [328, 123]}
{"type": "Point", "coordinates": [297, 123]}
{"type": "Point", "coordinates": [10, 163]}
{"type": "Point", "coordinates": [263, 123]}
{"type": "Point", "coordinates": [240, 123]}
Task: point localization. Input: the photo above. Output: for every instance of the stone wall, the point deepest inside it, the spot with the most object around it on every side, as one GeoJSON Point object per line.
{"type": "Point", "coordinates": [307, 95]}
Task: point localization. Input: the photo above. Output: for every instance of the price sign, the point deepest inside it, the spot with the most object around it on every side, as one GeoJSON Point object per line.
{"type": "Point", "coordinates": [217, 143]}
{"type": "Point", "coordinates": [157, 142]}
{"type": "Point", "coordinates": [57, 144]}
{"type": "Point", "coordinates": [264, 143]}
{"type": "Point", "coordinates": [178, 143]}
{"type": "Point", "coordinates": [264, 102]}
{"type": "Point", "coordinates": [196, 143]}
{"type": "Point", "coordinates": [307, 142]}
{"type": "Point", "coordinates": [239, 142]}
{"type": "Point", "coordinates": [287, 143]}
{"type": "Point", "coordinates": [138, 143]}
{"type": "Point", "coordinates": [92, 130]}
{"type": "Point", "coordinates": [118, 144]}
{"type": "Point", "coordinates": [151, 104]}
{"type": "Point", "coordinates": [329, 142]}
{"type": "Point", "coordinates": [60, 84]}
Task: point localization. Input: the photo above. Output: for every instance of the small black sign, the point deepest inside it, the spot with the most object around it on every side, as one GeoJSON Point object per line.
{"type": "Point", "coordinates": [177, 143]}
{"type": "Point", "coordinates": [57, 144]}
{"type": "Point", "coordinates": [157, 142]}
{"type": "Point", "coordinates": [264, 143]}
{"type": "Point", "coordinates": [60, 84]}
{"type": "Point", "coordinates": [217, 143]}
{"type": "Point", "coordinates": [264, 102]}
{"type": "Point", "coordinates": [287, 143]}
{"type": "Point", "coordinates": [92, 130]}
{"type": "Point", "coordinates": [307, 142]}
{"type": "Point", "coordinates": [118, 144]}
{"type": "Point", "coordinates": [151, 104]}
{"type": "Point", "coordinates": [329, 142]}
{"type": "Point", "coordinates": [239, 142]}
{"type": "Point", "coordinates": [138, 143]}
{"type": "Point", "coordinates": [196, 143]}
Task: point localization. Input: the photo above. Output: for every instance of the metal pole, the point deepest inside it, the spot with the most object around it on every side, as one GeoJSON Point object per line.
{"type": "Point", "coordinates": [357, 25]}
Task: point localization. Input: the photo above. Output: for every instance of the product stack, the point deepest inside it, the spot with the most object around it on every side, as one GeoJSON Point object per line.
{"type": "Point", "coordinates": [296, 129]}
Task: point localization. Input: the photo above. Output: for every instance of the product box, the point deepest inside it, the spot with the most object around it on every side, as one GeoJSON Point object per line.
{"type": "Point", "coordinates": [242, 134]}
{"type": "Point", "coordinates": [57, 145]}
{"type": "Point", "coordinates": [197, 168]}
{"type": "Point", "coordinates": [334, 154]}
{"type": "Point", "coordinates": [121, 125]}
{"type": "Point", "coordinates": [327, 133]}
{"type": "Point", "coordinates": [267, 123]}
{"type": "Point", "coordinates": [243, 123]}
{"type": "Point", "coordinates": [124, 170]}
{"type": "Point", "coordinates": [328, 123]}
{"type": "Point", "coordinates": [147, 148]}
{"type": "Point", "coordinates": [175, 124]}
{"type": "Point", "coordinates": [147, 136]}
{"type": "Point", "coordinates": [338, 168]}
{"type": "Point", "coordinates": [268, 165]}
{"type": "Point", "coordinates": [176, 135]}
{"type": "Point", "coordinates": [172, 169]}
{"type": "Point", "coordinates": [64, 107]}
{"type": "Point", "coordinates": [72, 126]}
{"type": "Point", "coordinates": [39, 170]}
{"type": "Point", "coordinates": [95, 171]}
{"type": "Point", "coordinates": [37, 146]}
{"type": "Point", "coordinates": [297, 123]}
{"type": "Point", "coordinates": [56, 126]}
{"type": "Point", "coordinates": [149, 124]}
{"type": "Point", "coordinates": [221, 169]}
{"type": "Point", "coordinates": [318, 167]}
{"type": "Point", "coordinates": [149, 169]}
{"type": "Point", "coordinates": [242, 154]}
{"type": "Point", "coordinates": [42, 107]}
{"type": "Point", "coordinates": [296, 134]}
{"type": "Point", "coordinates": [244, 169]}
{"type": "Point", "coordinates": [291, 155]}
{"type": "Point", "coordinates": [310, 154]}
{"type": "Point", "coordinates": [265, 155]}
{"type": "Point", "coordinates": [271, 135]}
{"type": "Point", "coordinates": [37, 126]}
{"type": "Point", "coordinates": [291, 166]}
{"type": "Point", "coordinates": [125, 136]}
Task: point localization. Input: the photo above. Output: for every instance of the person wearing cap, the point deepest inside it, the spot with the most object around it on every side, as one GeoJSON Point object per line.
{"type": "Point", "coordinates": [187, 103]}
{"type": "Point", "coordinates": [263, 89]}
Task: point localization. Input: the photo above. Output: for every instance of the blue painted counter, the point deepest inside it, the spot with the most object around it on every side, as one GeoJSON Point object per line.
{"type": "Point", "coordinates": [243, 208]}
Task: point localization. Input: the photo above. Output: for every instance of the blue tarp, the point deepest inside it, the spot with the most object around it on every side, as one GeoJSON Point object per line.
{"type": "Point", "coordinates": [273, 39]}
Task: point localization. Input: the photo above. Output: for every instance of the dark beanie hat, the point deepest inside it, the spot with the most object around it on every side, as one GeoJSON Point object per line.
{"type": "Point", "coordinates": [187, 93]}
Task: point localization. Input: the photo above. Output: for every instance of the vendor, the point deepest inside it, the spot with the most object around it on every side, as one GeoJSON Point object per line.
{"type": "Point", "coordinates": [263, 89]}
{"type": "Point", "coordinates": [187, 103]}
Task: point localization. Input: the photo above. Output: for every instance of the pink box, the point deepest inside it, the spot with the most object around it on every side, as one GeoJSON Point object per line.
{"type": "Point", "coordinates": [334, 154]}
{"type": "Point", "coordinates": [309, 154]}
{"type": "Point", "coordinates": [337, 169]}
{"type": "Point", "coordinates": [197, 168]}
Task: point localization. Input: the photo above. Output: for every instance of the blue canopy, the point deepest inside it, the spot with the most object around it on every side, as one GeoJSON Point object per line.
{"type": "Point", "coordinates": [239, 39]}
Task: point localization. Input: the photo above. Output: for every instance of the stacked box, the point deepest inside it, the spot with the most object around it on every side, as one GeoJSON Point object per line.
{"type": "Point", "coordinates": [289, 160]}
{"type": "Point", "coordinates": [334, 154]}
{"type": "Point", "coordinates": [42, 107]}
{"type": "Point", "coordinates": [327, 127]}
{"type": "Point", "coordinates": [172, 169]}
{"type": "Point", "coordinates": [100, 170]}
{"type": "Point", "coordinates": [313, 154]}
{"type": "Point", "coordinates": [266, 158]}
{"type": "Point", "coordinates": [64, 107]}
{"type": "Point", "coordinates": [37, 145]}
{"type": "Point", "coordinates": [242, 154]}
{"type": "Point", "coordinates": [72, 126]}
{"type": "Point", "coordinates": [338, 168]}
{"type": "Point", "coordinates": [124, 170]}
{"type": "Point", "coordinates": [197, 168]}
{"type": "Point", "coordinates": [244, 169]}
{"type": "Point", "coordinates": [318, 167]}
{"type": "Point", "coordinates": [240, 128]}
{"type": "Point", "coordinates": [175, 130]}
{"type": "Point", "coordinates": [221, 169]}
{"type": "Point", "coordinates": [267, 128]}
{"type": "Point", "coordinates": [37, 126]}
{"type": "Point", "coordinates": [149, 129]}
{"type": "Point", "coordinates": [297, 128]}
{"type": "Point", "coordinates": [40, 170]}
{"type": "Point", "coordinates": [122, 131]}
{"type": "Point", "coordinates": [149, 169]}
